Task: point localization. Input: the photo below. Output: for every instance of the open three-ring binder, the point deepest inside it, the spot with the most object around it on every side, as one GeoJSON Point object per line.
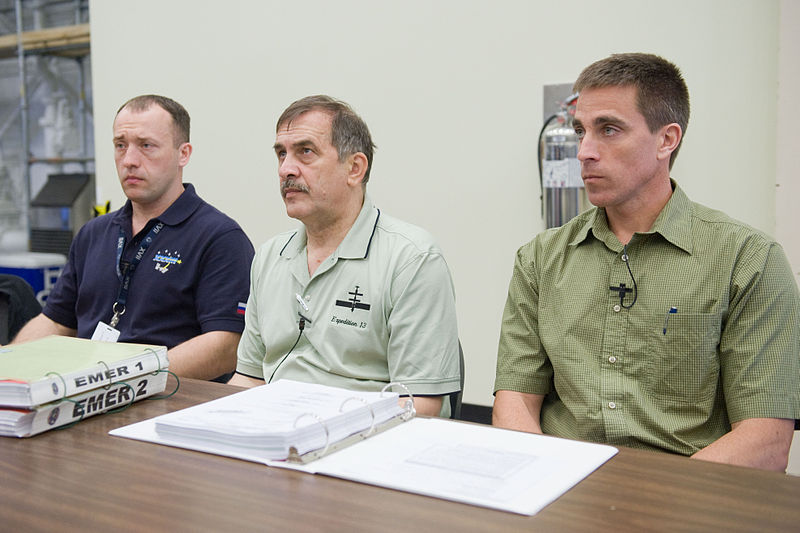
{"type": "Point", "coordinates": [283, 421]}
{"type": "Point", "coordinates": [298, 425]}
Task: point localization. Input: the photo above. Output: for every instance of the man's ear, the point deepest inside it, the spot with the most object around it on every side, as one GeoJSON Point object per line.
{"type": "Point", "coordinates": [358, 165]}
{"type": "Point", "coordinates": [671, 136]}
{"type": "Point", "coordinates": [184, 153]}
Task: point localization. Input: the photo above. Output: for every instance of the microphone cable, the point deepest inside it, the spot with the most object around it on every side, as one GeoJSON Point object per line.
{"type": "Point", "coordinates": [626, 258]}
{"type": "Point", "coordinates": [301, 325]}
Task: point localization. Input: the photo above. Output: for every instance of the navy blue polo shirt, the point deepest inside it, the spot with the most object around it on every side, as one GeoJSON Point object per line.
{"type": "Point", "coordinates": [191, 280]}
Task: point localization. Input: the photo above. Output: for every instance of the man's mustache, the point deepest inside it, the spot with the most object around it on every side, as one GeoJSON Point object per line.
{"type": "Point", "coordinates": [292, 184]}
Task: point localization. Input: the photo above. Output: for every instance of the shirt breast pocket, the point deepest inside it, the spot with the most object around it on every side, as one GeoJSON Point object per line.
{"type": "Point", "coordinates": [683, 363]}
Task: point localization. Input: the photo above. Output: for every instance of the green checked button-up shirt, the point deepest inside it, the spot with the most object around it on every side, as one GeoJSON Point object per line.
{"type": "Point", "coordinates": [634, 374]}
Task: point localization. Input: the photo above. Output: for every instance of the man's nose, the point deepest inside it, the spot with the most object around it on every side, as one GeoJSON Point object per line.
{"type": "Point", "coordinates": [287, 168]}
{"type": "Point", "coordinates": [131, 158]}
{"type": "Point", "coordinates": [587, 149]}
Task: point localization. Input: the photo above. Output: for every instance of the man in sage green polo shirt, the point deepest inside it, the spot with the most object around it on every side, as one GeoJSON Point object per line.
{"type": "Point", "coordinates": [650, 321]}
{"type": "Point", "coordinates": [354, 298]}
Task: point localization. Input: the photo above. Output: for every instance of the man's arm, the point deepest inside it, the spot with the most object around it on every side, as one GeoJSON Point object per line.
{"type": "Point", "coordinates": [426, 405]}
{"type": "Point", "coordinates": [240, 380]}
{"type": "Point", "coordinates": [522, 362]}
{"type": "Point", "coordinates": [42, 326]}
{"type": "Point", "coordinates": [517, 410]}
{"type": "Point", "coordinates": [206, 356]}
{"type": "Point", "coordinates": [756, 442]}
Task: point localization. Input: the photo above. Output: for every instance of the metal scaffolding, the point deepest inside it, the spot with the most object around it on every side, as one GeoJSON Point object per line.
{"type": "Point", "coordinates": [44, 36]}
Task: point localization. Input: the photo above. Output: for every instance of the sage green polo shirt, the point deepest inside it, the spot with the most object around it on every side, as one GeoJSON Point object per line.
{"type": "Point", "coordinates": [381, 309]}
{"type": "Point", "coordinates": [636, 374]}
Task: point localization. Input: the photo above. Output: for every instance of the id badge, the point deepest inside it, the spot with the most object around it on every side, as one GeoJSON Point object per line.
{"type": "Point", "coordinates": [104, 332]}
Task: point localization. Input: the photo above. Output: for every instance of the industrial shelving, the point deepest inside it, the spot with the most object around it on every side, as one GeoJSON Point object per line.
{"type": "Point", "coordinates": [41, 38]}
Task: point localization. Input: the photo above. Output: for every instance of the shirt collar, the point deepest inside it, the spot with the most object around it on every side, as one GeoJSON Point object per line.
{"type": "Point", "coordinates": [181, 209]}
{"type": "Point", "coordinates": [597, 218]}
{"type": "Point", "coordinates": [356, 243]}
{"type": "Point", "coordinates": [674, 223]}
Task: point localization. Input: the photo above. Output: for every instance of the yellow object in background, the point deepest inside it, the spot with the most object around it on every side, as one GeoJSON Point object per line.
{"type": "Point", "coordinates": [101, 209]}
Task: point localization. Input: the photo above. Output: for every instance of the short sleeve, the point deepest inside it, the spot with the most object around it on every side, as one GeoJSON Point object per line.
{"type": "Point", "coordinates": [223, 282]}
{"type": "Point", "coordinates": [423, 349]}
{"type": "Point", "coordinates": [760, 342]}
{"type": "Point", "coordinates": [522, 364]}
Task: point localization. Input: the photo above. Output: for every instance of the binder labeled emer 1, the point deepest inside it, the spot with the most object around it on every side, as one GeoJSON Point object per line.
{"type": "Point", "coordinates": [56, 367]}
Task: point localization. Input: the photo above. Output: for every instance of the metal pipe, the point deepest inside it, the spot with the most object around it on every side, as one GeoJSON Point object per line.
{"type": "Point", "coordinates": [38, 15]}
{"type": "Point", "coordinates": [82, 110]}
{"type": "Point", "coordinates": [23, 104]}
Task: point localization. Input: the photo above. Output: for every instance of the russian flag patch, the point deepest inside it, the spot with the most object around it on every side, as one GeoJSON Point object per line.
{"type": "Point", "coordinates": [240, 309]}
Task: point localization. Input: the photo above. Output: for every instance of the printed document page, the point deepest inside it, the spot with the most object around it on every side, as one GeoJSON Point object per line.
{"type": "Point", "coordinates": [480, 465]}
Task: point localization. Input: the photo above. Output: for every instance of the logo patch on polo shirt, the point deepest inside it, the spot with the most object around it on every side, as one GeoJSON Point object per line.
{"type": "Point", "coordinates": [166, 259]}
{"type": "Point", "coordinates": [354, 302]}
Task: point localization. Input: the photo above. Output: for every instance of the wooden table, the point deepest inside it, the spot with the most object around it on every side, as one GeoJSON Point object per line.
{"type": "Point", "coordinates": [81, 478]}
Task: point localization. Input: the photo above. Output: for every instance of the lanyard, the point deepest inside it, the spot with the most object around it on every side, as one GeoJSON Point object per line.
{"type": "Point", "coordinates": [125, 277]}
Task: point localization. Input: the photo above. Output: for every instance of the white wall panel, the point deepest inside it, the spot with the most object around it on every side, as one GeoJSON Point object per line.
{"type": "Point", "coordinates": [452, 93]}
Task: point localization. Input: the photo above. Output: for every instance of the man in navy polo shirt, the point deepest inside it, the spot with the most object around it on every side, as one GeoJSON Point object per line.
{"type": "Point", "coordinates": [167, 268]}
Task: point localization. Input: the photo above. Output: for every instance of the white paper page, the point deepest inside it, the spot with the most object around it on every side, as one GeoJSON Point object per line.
{"type": "Point", "coordinates": [480, 465]}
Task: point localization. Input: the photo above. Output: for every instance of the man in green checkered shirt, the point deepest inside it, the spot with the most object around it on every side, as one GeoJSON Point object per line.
{"type": "Point", "coordinates": [650, 321]}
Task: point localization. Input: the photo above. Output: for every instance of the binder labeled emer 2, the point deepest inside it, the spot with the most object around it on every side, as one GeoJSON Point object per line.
{"type": "Point", "coordinates": [19, 422]}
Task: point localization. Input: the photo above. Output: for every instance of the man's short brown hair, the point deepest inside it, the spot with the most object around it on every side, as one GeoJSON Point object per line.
{"type": "Point", "coordinates": [180, 117]}
{"type": "Point", "coordinates": [661, 93]}
{"type": "Point", "coordinates": [349, 133]}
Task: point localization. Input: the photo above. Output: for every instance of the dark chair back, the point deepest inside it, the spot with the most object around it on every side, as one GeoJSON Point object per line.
{"type": "Point", "coordinates": [18, 304]}
{"type": "Point", "coordinates": [455, 397]}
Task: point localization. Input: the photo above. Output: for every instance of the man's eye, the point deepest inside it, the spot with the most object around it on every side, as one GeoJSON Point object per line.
{"type": "Point", "coordinates": [307, 150]}
{"type": "Point", "coordinates": [608, 130]}
{"type": "Point", "coordinates": [580, 133]}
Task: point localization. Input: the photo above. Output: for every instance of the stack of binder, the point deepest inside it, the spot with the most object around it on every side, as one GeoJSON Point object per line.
{"type": "Point", "coordinates": [55, 381]}
{"type": "Point", "coordinates": [285, 420]}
